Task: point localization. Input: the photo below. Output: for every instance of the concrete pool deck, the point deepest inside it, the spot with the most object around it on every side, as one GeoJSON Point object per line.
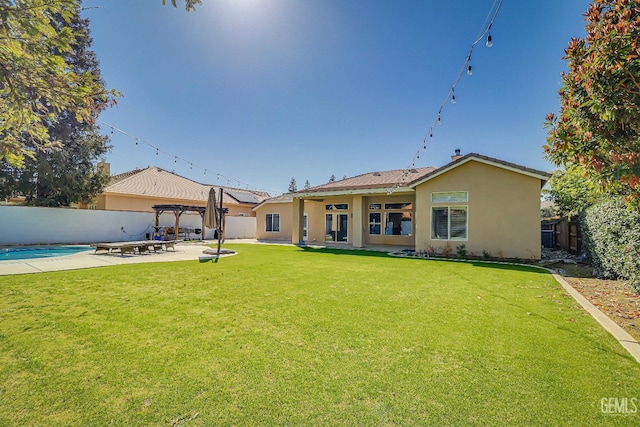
{"type": "Point", "coordinates": [89, 259]}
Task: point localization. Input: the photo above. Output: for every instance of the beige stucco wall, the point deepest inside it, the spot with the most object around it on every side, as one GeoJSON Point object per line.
{"type": "Point", "coordinates": [503, 211]}
{"type": "Point", "coordinates": [285, 210]}
{"type": "Point", "coordinates": [144, 204]}
{"type": "Point", "coordinates": [358, 220]}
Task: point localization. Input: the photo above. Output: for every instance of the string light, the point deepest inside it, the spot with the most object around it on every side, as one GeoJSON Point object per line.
{"type": "Point", "coordinates": [485, 30]}
{"type": "Point", "coordinates": [137, 140]}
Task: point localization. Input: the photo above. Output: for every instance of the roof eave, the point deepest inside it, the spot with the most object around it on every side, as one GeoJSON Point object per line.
{"type": "Point", "coordinates": [351, 192]}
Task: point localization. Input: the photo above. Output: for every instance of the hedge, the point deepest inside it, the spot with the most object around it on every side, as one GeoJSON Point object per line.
{"type": "Point", "coordinates": [611, 233]}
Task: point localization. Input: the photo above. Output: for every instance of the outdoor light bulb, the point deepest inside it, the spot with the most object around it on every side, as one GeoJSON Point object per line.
{"type": "Point", "coordinates": [489, 41]}
{"type": "Point", "coordinates": [453, 98]}
{"type": "Point", "coordinates": [439, 120]}
{"type": "Point", "coordinates": [470, 71]}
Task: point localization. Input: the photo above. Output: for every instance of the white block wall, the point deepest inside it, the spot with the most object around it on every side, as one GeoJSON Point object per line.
{"type": "Point", "coordinates": [26, 225]}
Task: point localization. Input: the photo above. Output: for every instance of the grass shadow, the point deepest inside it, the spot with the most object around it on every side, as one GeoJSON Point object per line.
{"type": "Point", "coordinates": [345, 251]}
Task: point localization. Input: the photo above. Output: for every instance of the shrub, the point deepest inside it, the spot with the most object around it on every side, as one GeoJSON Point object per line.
{"type": "Point", "coordinates": [486, 254]}
{"type": "Point", "coordinates": [446, 251]}
{"type": "Point", "coordinates": [461, 251]}
{"type": "Point", "coordinates": [611, 233]}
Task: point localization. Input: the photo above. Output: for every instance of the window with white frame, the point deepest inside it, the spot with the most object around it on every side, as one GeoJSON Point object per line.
{"type": "Point", "coordinates": [449, 222]}
{"type": "Point", "coordinates": [398, 219]}
{"type": "Point", "coordinates": [273, 222]}
{"type": "Point", "coordinates": [375, 223]}
{"type": "Point", "coordinates": [450, 197]}
{"type": "Point", "coordinates": [391, 219]}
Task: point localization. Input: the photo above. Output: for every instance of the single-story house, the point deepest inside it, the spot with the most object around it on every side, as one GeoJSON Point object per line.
{"type": "Point", "coordinates": [482, 205]}
{"type": "Point", "coordinates": [139, 190]}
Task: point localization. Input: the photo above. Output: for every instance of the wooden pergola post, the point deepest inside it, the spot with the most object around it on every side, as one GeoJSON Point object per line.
{"type": "Point", "coordinates": [178, 210]}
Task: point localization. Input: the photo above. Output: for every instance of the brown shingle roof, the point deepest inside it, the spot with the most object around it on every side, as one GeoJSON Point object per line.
{"type": "Point", "coordinates": [156, 182]}
{"type": "Point", "coordinates": [388, 179]}
{"type": "Point", "coordinates": [372, 180]}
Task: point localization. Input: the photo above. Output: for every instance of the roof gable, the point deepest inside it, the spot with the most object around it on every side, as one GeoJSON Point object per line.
{"type": "Point", "coordinates": [543, 176]}
{"type": "Point", "coordinates": [159, 183]}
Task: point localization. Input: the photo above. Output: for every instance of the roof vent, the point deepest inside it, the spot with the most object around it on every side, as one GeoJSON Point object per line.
{"type": "Point", "coordinates": [456, 156]}
{"type": "Point", "coordinates": [413, 170]}
{"type": "Point", "coordinates": [377, 174]}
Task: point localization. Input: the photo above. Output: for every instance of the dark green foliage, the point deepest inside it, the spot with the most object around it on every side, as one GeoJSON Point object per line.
{"type": "Point", "coordinates": [293, 186]}
{"type": "Point", "coordinates": [572, 190]}
{"type": "Point", "coordinates": [612, 235]}
{"type": "Point", "coordinates": [599, 122]}
{"type": "Point", "coordinates": [461, 251]}
{"type": "Point", "coordinates": [66, 174]}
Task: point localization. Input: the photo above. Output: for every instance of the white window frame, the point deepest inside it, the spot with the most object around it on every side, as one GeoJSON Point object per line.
{"type": "Point", "coordinates": [450, 197]}
{"type": "Point", "coordinates": [266, 220]}
{"type": "Point", "coordinates": [449, 238]}
{"type": "Point", "coordinates": [379, 223]}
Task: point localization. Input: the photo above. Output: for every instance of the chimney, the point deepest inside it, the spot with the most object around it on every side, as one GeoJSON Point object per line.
{"type": "Point", "coordinates": [456, 156]}
{"type": "Point", "coordinates": [104, 167]}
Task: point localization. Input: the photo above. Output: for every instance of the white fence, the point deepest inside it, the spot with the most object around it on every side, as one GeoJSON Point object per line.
{"type": "Point", "coordinates": [26, 225]}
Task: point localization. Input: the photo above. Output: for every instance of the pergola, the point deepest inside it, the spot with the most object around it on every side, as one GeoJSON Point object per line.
{"type": "Point", "coordinates": [178, 210]}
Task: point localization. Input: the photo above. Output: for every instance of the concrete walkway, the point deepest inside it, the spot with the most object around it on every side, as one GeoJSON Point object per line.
{"type": "Point", "coordinates": [183, 252]}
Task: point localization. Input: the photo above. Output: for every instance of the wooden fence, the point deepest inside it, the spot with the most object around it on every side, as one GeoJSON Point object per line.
{"type": "Point", "coordinates": [565, 233]}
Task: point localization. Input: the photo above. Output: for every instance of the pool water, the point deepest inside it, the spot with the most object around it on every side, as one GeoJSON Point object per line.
{"type": "Point", "coordinates": [12, 254]}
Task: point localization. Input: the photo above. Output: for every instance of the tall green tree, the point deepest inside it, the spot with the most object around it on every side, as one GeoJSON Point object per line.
{"type": "Point", "coordinates": [598, 125]}
{"type": "Point", "coordinates": [293, 186]}
{"type": "Point", "coordinates": [59, 176]}
{"type": "Point", "coordinates": [572, 191]}
{"type": "Point", "coordinates": [36, 82]}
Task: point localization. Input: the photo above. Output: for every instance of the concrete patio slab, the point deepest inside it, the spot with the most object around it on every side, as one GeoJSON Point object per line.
{"type": "Point", "coordinates": [183, 252]}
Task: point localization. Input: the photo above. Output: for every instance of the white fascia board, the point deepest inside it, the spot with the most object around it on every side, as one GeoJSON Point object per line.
{"type": "Point", "coordinates": [371, 191]}
{"type": "Point", "coordinates": [271, 202]}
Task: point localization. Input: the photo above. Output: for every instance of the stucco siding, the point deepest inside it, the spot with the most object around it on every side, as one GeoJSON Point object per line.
{"type": "Point", "coordinates": [285, 212]}
{"type": "Point", "coordinates": [503, 211]}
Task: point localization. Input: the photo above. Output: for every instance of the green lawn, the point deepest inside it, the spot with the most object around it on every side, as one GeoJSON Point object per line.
{"type": "Point", "coordinates": [285, 336]}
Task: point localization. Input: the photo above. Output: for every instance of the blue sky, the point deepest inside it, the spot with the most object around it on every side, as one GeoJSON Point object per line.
{"type": "Point", "coordinates": [260, 91]}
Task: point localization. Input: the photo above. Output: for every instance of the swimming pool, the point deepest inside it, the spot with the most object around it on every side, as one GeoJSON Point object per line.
{"type": "Point", "coordinates": [33, 252]}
